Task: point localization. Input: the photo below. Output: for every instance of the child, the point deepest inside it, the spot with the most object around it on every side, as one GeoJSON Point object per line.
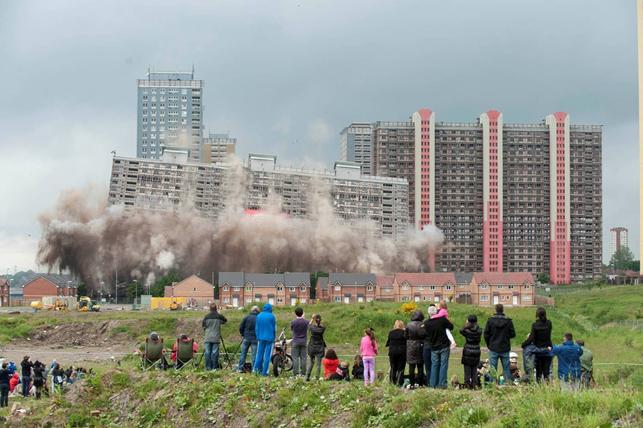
{"type": "Point", "coordinates": [442, 312]}
{"type": "Point", "coordinates": [358, 368]}
{"type": "Point", "coordinates": [330, 363]}
{"type": "Point", "coordinates": [343, 371]}
{"type": "Point", "coordinates": [368, 351]}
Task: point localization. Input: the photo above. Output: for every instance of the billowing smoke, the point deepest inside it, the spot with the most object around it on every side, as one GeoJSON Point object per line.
{"type": "Point", "coordinates": [90, 239]}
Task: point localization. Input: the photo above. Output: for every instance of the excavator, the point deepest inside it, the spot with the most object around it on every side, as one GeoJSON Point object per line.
{"type": "Point", "coordinates": [85, 304]}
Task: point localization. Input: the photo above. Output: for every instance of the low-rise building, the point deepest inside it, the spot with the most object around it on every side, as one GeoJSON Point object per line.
{"type": "Point", "coordinates": [240, 288]}
{"type": "Point", "coordinates": [48, 285]}
{"type": "Point", "coordinates": [4, 292]}
{"type": "Point", "coordinates": [197, 291]}
{"type": "Point", "coordinates": [479, 288]}
{"type": "Point", "coordinates": [351, 288]}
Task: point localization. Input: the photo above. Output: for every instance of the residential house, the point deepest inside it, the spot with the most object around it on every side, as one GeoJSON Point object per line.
{"type": "Point", "coordinates": [508, 288]}
{"type": "Point", "coordinates": [239, 288]}
{"type": "Point", "coordinates": [42, 285]}
{"type": "Point", "coordinates": [196, 290]}
{"type": "Point", "coordinates": [351, 287]}
{"type": "Point", "coordinates": [385, 291]}
{"type": "Point", "coordinates": [424, 287]}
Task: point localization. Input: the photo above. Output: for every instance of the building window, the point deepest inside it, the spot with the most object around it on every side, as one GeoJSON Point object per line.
{"type": "Point", "coordinates": [237, 288]}
{"type": "Point", "coordinates": [293, 288]}
{"type": "Point", "coordinates": [448, 287]}
{"type": "Point", "coordinates": [483, 286]}
{"type": "Point", "coordinates": [338, 298]}
{"type": "Point", "coordinates": [526, 286]}
{"type": "Point", "coordinates": [369, 288]}
{"type": "Point", "coordinates": [484, 298]}
{"type": "Point", "coordinates": [248, 287]}
{"type": "Point", "coordinates": [280, 300]}
{"type": "Point", "coordinates": [405, 287]}
{"type": "Point", "coordinates": [338, 288]}
{"type": "Point", "coordinates": [280, 288]}
{"type": "Point", "coordinates": [499, 286]}
{"type": "Point", "coordinates": [526, 297]}
{"type": "Point", "coordinates": [405, 298]}
{"type": "Point", "coordinates": [511, 287]}
{"type": "Point", "coordinates": [225, 288]}
{"type": "Point", "coordinates": [302, 288]}
{"type": "Point", "coordinates": [226, 300]}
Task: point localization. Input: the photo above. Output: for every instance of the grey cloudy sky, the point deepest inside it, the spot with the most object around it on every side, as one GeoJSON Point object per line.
{"type": "Point", "coordinates": [285, 76]}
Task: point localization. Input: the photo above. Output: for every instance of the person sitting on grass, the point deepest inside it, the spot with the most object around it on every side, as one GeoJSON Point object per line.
{"type": "Point", "coordinates": [358, 368]}
{"type": "Point", "coordinates": [569, 368]}
{"type": "Point", "coordinates": [58, 376]}
{"type": "Point", "coordinates": [586, 365]}
{"type": "Point", "coordinates": [330, 363]}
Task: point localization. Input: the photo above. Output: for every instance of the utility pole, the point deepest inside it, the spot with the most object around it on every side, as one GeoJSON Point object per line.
{"type": "Point", "coordinates": [116, 286]}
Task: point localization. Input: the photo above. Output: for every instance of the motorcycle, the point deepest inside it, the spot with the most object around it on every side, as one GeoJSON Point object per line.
{"type": "Point", "coordinates": [281, 359]}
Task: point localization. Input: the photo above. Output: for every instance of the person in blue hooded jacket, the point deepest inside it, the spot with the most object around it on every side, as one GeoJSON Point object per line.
{"type": "Point", "coordinates": [266, 331]}
{"type": "Point", "coordinates": [569, 369]}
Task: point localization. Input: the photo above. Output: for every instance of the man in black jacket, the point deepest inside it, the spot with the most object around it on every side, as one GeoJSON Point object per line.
{"type": "Point", "coordinates": [247, 332]}
{"type": "Point", "coordinates": [440, 345]}
{"type": "Point", "coordinates": [497, 335]}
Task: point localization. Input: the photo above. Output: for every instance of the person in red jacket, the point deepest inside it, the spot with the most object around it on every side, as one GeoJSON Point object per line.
{"type": "Point", "coordinates": [185, 339]}
{"type": "Point", "coordinates": [330, 363]}
{"type": "Point", "coordinates": [13, 382]}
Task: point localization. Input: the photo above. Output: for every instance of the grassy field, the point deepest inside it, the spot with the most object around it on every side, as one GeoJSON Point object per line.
{"type": "Point", "coordinates": [608, 318]}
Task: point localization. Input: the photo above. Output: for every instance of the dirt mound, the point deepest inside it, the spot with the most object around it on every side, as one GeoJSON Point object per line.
{"type": "Point", "coordinates": [82, 334]}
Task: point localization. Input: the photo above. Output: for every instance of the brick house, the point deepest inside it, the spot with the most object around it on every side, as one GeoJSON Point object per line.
{"type": "Point", "coordinates": [384, 289]}
{"type": "Point", "coordinates": [43, 285]}
{"type": "Point", "coordinates": [4, 292]}
{"type": "Point", "coordinates": [196, 290]}
{"type": "Point", "coordinates": [239, 288]}
{"type": "Point", "coordinates": [424, 287]}
{"type": "Point", "coordinates": [351, 287]}
{"type": "Point", "coordinates": [508, 288]}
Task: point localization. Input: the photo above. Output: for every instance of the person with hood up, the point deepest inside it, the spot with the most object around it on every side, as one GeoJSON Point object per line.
{"type": "Point", "coordinates": [471, 351]}
{"type": "Point", "coordinates": [266, 331]}
{"type": "Point", "coordinates": [414, 334]}
{"type": "Point", "coordinates": [247, 332]}
{"type": "Point", "coordinates": [498, 333]}
{"type": "Point", "coordinates": [211, 324]}
{"type": "Point", "coordinates": [316, 345]}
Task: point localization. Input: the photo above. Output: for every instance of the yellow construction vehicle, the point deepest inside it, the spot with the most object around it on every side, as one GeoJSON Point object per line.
{"type": "Point", "coordinates": [85, 304]}
{"type": "Point", "coordinates": [175, 306]}
{"type": "Point", "coordinates": [36, 305]}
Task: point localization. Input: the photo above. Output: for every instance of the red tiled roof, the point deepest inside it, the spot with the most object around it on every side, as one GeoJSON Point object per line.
{"type": "Point", "coordinates": [504, 278]}
{"type": "Point", "coordinates": [384, 280]}
{"type": "Point", "coordinates": [432, 278]}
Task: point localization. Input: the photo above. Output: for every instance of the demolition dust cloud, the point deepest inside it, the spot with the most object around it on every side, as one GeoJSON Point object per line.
{"type": "Point", "coordinates": [84, 235]}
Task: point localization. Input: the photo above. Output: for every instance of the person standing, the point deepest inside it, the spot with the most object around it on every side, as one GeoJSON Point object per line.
{"type": "Point", "coordinates": [4, 386]}
{"type": "Point", "coordinates": [569, 369]}
{"type": "Point", "coordinates": [316, 345]}
{"type": "Point", "coordinates": [540, 338]}
{"type": "Point", "coordinates": [471, 351]}
{"type": "Point", "coordinates": [299, 328]}
{"type": "Point", "coordinates": [414, 334]}
{"type": "Point", "coordinates": [38, 378]}
{"type": "Point", "coordinates": [247, 332]}
{"type": "Point", "coordinates": [26, 366]}
{"type": "Point", "coordinates": [211, 324]}
{"type": "Point", "coordinates": [396, 344]}
{"type": "Point", "coordinates": [426, 351]}
{"type": "Point", "coordinates": [586, 365]}
{"type": "Point", "coordinates": [368, 351]}
{"type": "Point", "coordinates": [440, 347]}
{"type": "Point", "coordinates": [266, 330]}
{"type": "Point", "coordinates": [498, 333]}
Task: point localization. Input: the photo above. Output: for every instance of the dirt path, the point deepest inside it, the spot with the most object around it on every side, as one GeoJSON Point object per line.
{"type": "Point", "coordinates": [65, 356]}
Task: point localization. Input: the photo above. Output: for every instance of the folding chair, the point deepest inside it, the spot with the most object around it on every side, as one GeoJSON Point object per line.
{"type": "Point", "coordinates": [152, 355]}
{"type": "Point", "coordinates": [184, 354]}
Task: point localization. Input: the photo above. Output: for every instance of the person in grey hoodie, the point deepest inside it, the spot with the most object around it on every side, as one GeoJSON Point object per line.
{"type": "Point", "coordinates": [316, 345]}
{"type": "Point", "coordinates": [211, 324]}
